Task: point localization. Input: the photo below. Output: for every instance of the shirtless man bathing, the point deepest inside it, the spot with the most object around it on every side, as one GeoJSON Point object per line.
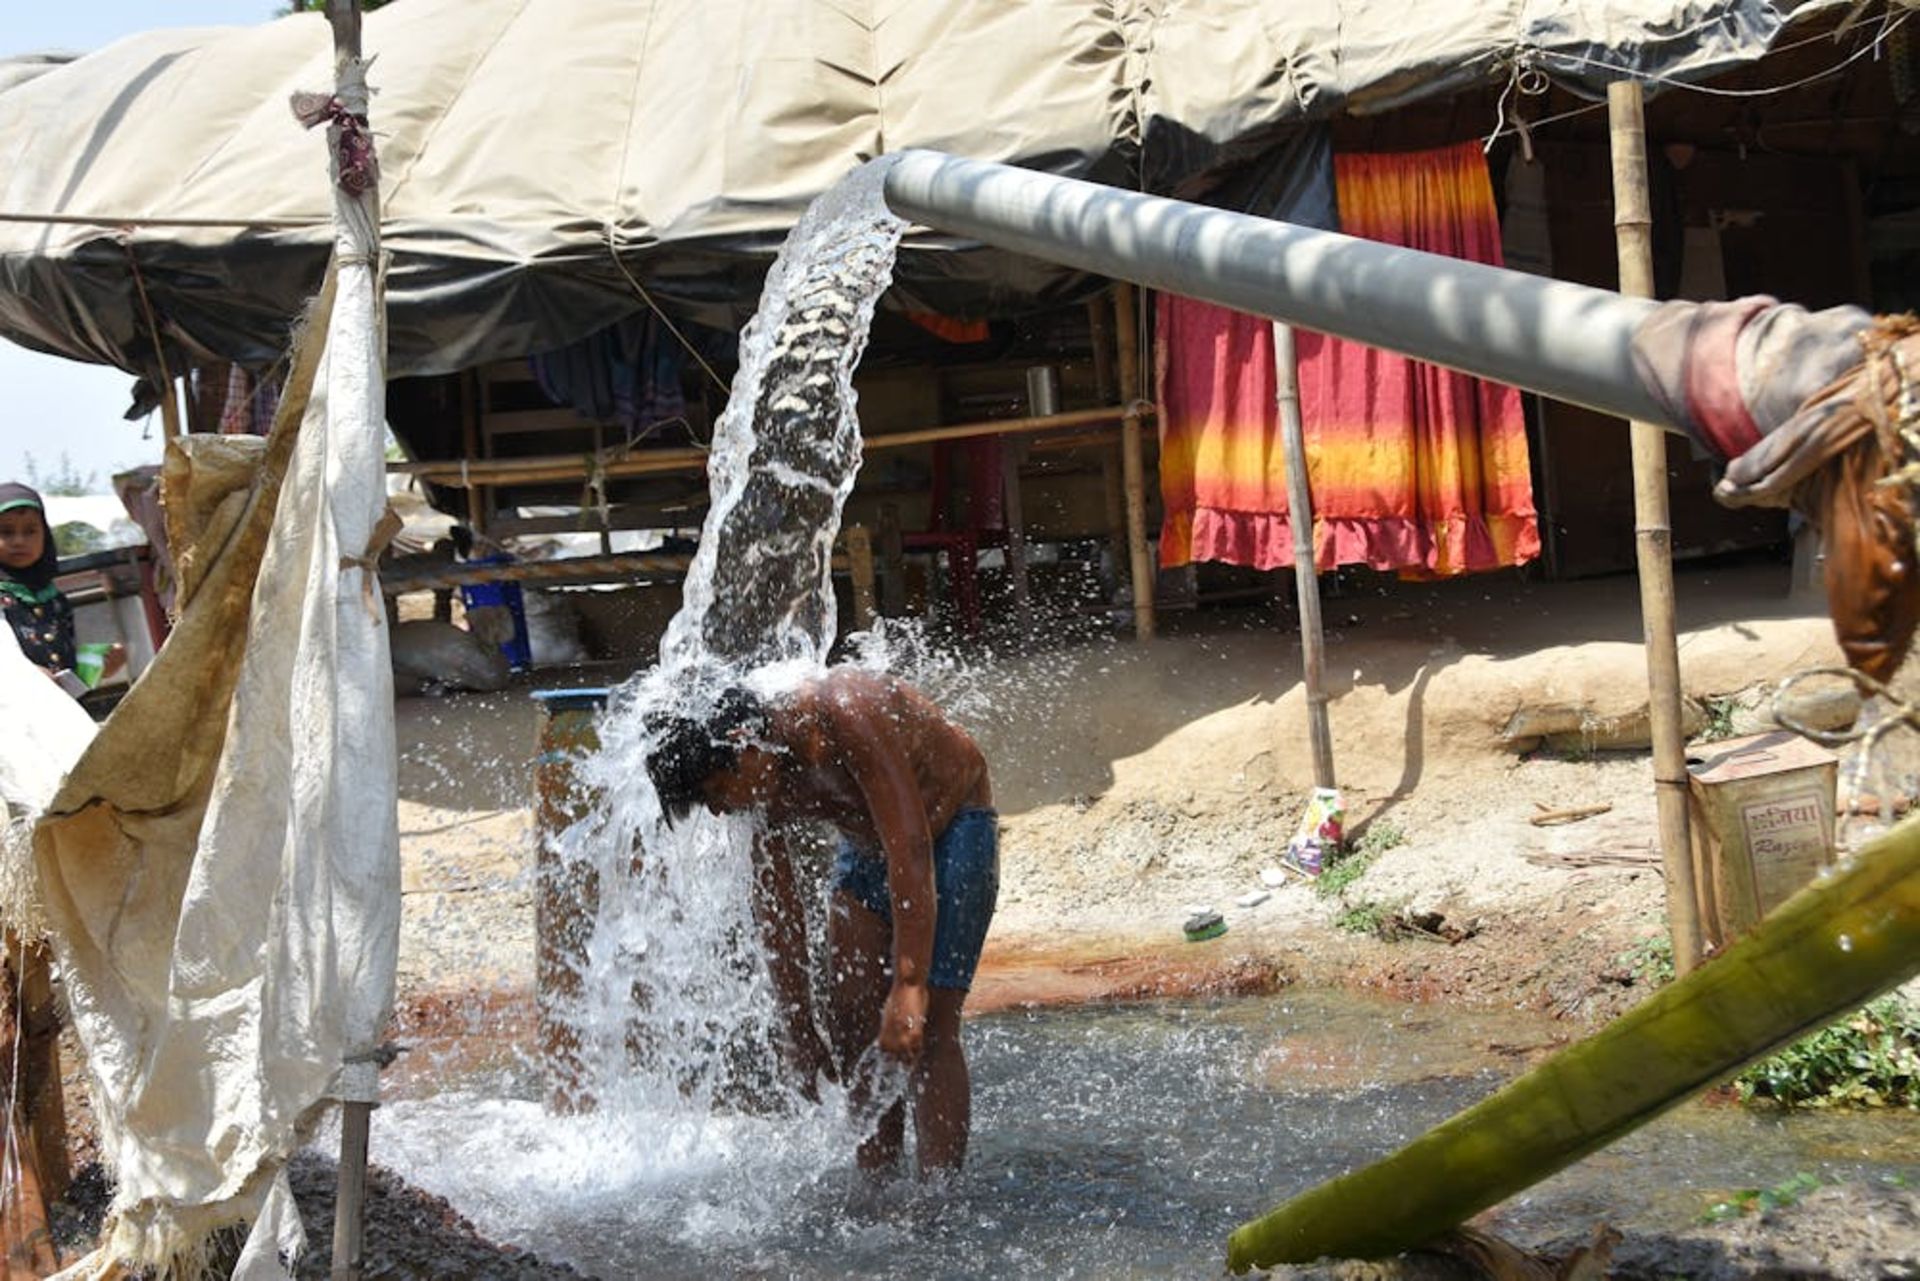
{"type": "Point", "coordinates": [914, 882]}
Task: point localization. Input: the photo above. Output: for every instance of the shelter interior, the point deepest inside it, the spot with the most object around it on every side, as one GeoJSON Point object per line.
{"type": "Point", "coordinates": [995, 460]}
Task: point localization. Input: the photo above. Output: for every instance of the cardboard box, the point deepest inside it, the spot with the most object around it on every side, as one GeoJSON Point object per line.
{"type": "Point", "coordinates": [1762, 822]}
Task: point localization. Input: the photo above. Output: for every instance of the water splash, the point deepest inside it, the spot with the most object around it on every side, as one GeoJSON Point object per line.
{"type": "Point", "coordinates": [675, 1021]}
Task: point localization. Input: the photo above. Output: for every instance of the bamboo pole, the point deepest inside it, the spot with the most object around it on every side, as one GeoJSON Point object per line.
{"type": "Point", "coordinates": [357, 231]}
{"type": "Point", "coordinates": [1823, 953]}
{"type": "Point", "coordinates": [471, 392]}
{"type": "Point", "coordinates": [893, 587]}
{"type": "Point", "coordinates": [1132, 460]}
{"type": "Point", "coordinates": [1306, 577]}
{"type": "Point", "coordinates": [545, 468]}
{"type": "Point", "coordinates": [1653, 539]}
{"type": "Point", "coordinates": [860, 560]}
{"type": "Point", "coordinates": [169, 410]}
{"type": "Point", "coordinates": [573, 569]}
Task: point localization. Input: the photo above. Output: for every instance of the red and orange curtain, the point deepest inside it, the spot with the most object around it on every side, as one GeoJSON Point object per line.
{"type": "Point", "coordinates": [1412, 468]}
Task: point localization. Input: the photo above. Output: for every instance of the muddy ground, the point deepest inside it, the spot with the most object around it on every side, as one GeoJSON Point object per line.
{"type": "Point", "coordinates": [1137, 783]}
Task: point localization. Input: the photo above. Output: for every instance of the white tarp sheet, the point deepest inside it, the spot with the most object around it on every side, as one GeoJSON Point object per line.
{"type": "Point", "coordinates": [46, 730]}
{"type": "Point", "coordinates": [222, 879]}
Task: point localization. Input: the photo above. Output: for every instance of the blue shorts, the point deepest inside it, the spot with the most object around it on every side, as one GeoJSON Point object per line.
{"type": "Point", "coordinates": [966, 882]}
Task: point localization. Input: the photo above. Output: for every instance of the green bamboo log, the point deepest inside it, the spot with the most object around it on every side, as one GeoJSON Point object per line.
{"type": "Point", "coordinates": [1831, 948]}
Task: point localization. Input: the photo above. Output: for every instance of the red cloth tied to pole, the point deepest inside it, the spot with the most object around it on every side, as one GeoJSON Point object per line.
{"type": "Point", "coordinates": [353, 146]}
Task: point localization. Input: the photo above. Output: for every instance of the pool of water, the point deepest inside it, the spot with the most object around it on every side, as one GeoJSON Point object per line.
{"type": "Point", "coordinates": [1109, 1142]}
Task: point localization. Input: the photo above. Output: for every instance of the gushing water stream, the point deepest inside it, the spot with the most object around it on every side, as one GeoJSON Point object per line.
{"type": "Point", "coordinates": [675, 1022]}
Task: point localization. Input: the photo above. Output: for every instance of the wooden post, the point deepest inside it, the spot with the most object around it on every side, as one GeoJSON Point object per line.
{"type": "Point", "coordinates": [360, 1090]}
{"type": "Point", "coordinates": [860, 564]}
{"type": "Point", "coordinates": [1132, 459]}
{"type": "Point", "coordinates": [1013, 452]}
{"type": "Point", "coordinates": [1306, 577]}
{"type": "Point", "coordinates": [1100, 338]}
{"type": "Point", "coordinates": [893, 562]}
{"type": "Point", "coordinates": [1653, 538]}
{"type": "Point", "coordinates": [471, 396]}
{"type": "Point", "coordinates": [169, 408]}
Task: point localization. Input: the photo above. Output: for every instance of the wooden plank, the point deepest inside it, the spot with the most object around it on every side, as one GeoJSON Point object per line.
{"type": "Point", "coordinates": [528, 422]}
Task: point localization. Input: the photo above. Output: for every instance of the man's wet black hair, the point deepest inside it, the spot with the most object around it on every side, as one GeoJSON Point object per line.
{"type": "Point", "coordinates": [687, 752]}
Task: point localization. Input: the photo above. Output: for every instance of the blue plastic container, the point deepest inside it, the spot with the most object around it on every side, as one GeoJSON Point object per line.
{"type": "Point", "coordinates": [519, 650]}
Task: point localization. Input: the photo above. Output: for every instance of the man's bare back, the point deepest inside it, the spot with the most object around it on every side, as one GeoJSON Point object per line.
{"type": "Point", "coordinates": [914, 883]}
{"type": "Point", "coordinates": [827, 722]}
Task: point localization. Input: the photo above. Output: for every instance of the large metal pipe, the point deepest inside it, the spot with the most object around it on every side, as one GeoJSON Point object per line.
{"type": "Point", "coordinates": [1558, 339]}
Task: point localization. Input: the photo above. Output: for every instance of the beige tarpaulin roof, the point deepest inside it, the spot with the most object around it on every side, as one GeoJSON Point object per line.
{"type": "Point", "coordinates": [524, 143]}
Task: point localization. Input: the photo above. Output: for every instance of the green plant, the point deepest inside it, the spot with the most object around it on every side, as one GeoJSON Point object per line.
{"type": "Point", "coordinates": [1341, 872]}
{"type": "Point", "coordinates": [1760, 1200]}
{"type": "Point", "coordinates": [1869, 1059]}
{"type": "Point", "coordinates": [1378, 837]}
{"type": "Point", "coordinates": [1650, 961]}
{"type": "Point", "coordinates": [1366, 917]}
{"type": "Point", "coordinates": [1350, 862]}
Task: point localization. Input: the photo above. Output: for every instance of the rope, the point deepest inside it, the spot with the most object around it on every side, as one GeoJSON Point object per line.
{"type": "Point", "coordinates": [1887, 31]}
{"type": "Point", "coordinates": [1650, 77]}
{"type": "Point", "coordinates": [368, 561]}
{"type": "Point", "coordinates": [613, 251]}
{"type": "Point", "coordinates": [146, 309]}
{"type": "Point", "coordinates": [360, 1072]}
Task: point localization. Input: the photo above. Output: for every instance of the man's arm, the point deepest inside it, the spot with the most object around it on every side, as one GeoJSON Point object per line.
{"type": "Point", "coordinates": [869, 747]}
{"type": "Point", "coordinates": [782, 922]}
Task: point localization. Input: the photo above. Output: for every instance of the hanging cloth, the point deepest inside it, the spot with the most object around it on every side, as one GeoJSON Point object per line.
{"type": "Point", "coordinates": [1412, 468]}
{"type": "Point", "coordinates": [1223, 481]}
{"type": "Point", "coordinates": [1415, 468]}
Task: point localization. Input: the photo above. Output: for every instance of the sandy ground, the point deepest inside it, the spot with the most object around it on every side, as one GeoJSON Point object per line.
{"type": "Point", "coordinates": [1137, 782]}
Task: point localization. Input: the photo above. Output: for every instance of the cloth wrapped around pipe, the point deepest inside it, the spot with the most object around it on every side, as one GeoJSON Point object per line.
{"type": "Point", "coordinates": [1847, 457]}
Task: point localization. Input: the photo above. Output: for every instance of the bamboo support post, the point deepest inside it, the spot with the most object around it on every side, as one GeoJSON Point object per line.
{"type": "Point", "coordinates": [470, 394]}
{"type": "Point", "coordinates": [357, 231]}
{"type": "Point", "coordinates": [1132, 460]}
{"type": "Point", "coordinates": [1306, 577]}
{"type": "Point", "coordinates": [1653, 539]}
{"type": "Point", "coordinates": [1012, 454]}
{"type": "Point", "coordinates": [169, 409]}
{"type": "Point", "coordinates": [1106, 385]}
{"type": "Point", "coordinates": [860, 562]}
{"type": "Point", "coordinates": [1100, 338]}
{"type": "Point", "coordinates": [893, 551]}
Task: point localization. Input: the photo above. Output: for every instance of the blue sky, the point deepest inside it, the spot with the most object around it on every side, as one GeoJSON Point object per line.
{"type": "Point", "coordinates": [48, 405]}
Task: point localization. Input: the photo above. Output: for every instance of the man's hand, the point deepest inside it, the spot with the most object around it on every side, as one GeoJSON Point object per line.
{"type": "Point", "coordinates": [812, 1062]}
{"type": "Point", "coordinates": [903, 1022]}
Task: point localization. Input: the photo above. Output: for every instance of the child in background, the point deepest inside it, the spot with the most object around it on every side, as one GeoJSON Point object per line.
{"type": "Point", "coordinates": [41, 618]}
